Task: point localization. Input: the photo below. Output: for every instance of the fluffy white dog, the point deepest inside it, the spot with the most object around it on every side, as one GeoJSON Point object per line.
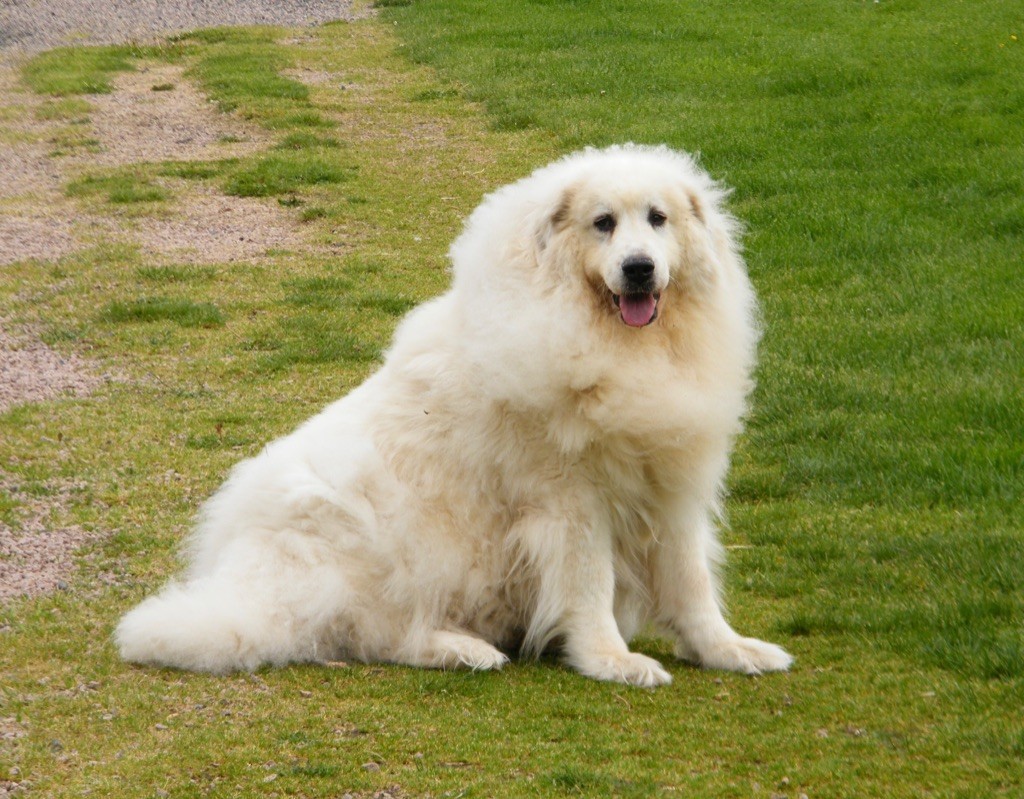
{"type": "Point", "coordinates": [538, 462]}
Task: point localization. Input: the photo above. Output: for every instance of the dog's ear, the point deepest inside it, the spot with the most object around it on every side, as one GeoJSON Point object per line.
{"type": "Point", "coordinates": [697, 206]}
{"type": "Point", "coordinates": [699, 241]}
{"type": "Point", "coordinates": [554, 221]}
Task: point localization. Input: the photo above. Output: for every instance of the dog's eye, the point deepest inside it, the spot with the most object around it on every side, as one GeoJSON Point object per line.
{"type": "Point", "coordinates": [605, 223]}
{"type": "Point", "coordinates": [656, 218]}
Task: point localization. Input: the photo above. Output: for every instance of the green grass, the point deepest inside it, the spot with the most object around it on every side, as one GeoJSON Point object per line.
{"type": "Point", "coordinates": [190, 274]}
{"type": "Point", "coordinates": [196, 170]}
{"type": "Point", "coordinates": [874, 511]}
{"type": "Point", "coordinates": [241, 75]}
{"type": "Point", "coordinates": [319, 339]}
{"type": "Point", "coordinates": [283, 172]}
{"type": "Point", "coordinates": [122, 188]}
{"type": "Point", "coordinates": [183, 312]}
{"type": "Point", "coordinates": [884, 239]}
{"type": "Point", "coordinates": [241, 70]}
{"type": "Point", "coordinates": [77, 70]}
{"type": "Point", "coordinates": [314, 213]}
{"type": "Point", "coordinates": [69, 71]}
{"type": "Point", "coordinates": [317, 292]}
{"type": "Point", "coordinates": [306, 141]}
{"type": "Point", "coordinates": [389, 303]}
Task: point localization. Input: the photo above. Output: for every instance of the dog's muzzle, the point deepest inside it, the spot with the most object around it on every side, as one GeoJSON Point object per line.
{"type": "Point", "coordinates": [638, 302]}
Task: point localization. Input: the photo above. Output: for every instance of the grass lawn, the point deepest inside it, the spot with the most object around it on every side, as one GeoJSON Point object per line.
{"type": "Point", "coordinates": [877, 156]}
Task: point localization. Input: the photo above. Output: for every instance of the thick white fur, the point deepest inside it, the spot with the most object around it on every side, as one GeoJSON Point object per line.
{"type": "Point", "coordinates": [524, 470]}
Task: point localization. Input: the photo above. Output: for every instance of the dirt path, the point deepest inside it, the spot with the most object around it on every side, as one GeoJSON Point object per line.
{"type": "Point", "coordinates": [38, 221]}
{"type": "Point", "coordinates": [133, 124]}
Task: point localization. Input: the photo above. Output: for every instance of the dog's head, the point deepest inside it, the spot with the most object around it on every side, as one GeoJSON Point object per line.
{"type": "Point", "coordinates": [599, 270]}
{"type": "Point", "coordinates": [633, 222]}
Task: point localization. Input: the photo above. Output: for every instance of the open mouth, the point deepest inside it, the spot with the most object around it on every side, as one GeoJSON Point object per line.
{"type": "Point", "coordinates": [637, 310]}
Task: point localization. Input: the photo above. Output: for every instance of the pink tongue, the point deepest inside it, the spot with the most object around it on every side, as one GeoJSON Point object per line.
{"type": "Point", "coordinates": [638, 309]}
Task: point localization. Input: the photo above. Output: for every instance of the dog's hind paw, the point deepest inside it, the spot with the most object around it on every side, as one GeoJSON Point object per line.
{"type": "Point", "coordinates": [449, 650]}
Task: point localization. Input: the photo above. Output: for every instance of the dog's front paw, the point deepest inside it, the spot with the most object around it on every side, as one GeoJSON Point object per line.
{"type": "Point", "coordinates": [626, 667]}
{"type": "Point", "coordinates": [735, 653]}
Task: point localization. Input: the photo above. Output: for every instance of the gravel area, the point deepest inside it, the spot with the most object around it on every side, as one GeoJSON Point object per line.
{"type": "Point", "coordinates": [132, 124]}
{"type": "Point", "coordinates": [32, 372]}
{"type": "Point", "coordinates": [34, 234]}
{"type": "Point", "coordinates": [207, 227]}
{"type": "Point", "coordinates": [36, 558]}
{"type": "Point", "coordinates": [32, 224]}
{"type": "Point", "coordinates": [33, 25]}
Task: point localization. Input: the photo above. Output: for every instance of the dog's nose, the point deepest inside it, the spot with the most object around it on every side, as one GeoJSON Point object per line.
{"type": "Point", "coordinates": [638, 269]}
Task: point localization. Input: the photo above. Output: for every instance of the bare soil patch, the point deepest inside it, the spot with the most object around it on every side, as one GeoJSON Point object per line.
{"type": "Point", "coordinates": [39, 236]}
{"type": "Point", "coordinates": [315, 77]}
{"type": "Point", "coordinates": [207, 227]}
{"type": "Point", "coordinates": [135, 124]}
{"type": "Point", "coordinates": [30, 371]}
{"type": "Point", "coordinates": [37, 558]}
{"type": "Point", "coordinates": [36, 220]}
{"type": "Point", "coordinates": [24, 163]}
{"type": "Point", "coordinates": [153, 114]}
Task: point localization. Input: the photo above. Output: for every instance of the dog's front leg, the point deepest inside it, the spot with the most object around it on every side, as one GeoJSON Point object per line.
{"type": "Point", "coordinates": [687, 601]}
{"type": "Point", "coordinates": [575, 601]}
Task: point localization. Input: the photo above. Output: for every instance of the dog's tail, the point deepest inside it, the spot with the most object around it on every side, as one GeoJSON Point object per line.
{"type": "Point", "coordinates": [205, 625]}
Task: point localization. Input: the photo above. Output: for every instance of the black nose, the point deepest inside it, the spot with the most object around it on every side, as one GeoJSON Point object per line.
{"type": "Point", "coordinates": [638, 270]}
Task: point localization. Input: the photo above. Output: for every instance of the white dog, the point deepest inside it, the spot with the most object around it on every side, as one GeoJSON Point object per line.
{"type": "Point", "coordinates": [537, 463]}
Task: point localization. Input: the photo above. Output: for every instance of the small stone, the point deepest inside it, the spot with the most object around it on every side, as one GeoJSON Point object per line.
{"type": "Point", "coordinates": [371, 766]}
{"type": "Point", "coordinates": [822, 733]}
{"type": "Point", "coordinates": [160, 726]}
{"type": "Point", "coordinates": [305, 694]}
